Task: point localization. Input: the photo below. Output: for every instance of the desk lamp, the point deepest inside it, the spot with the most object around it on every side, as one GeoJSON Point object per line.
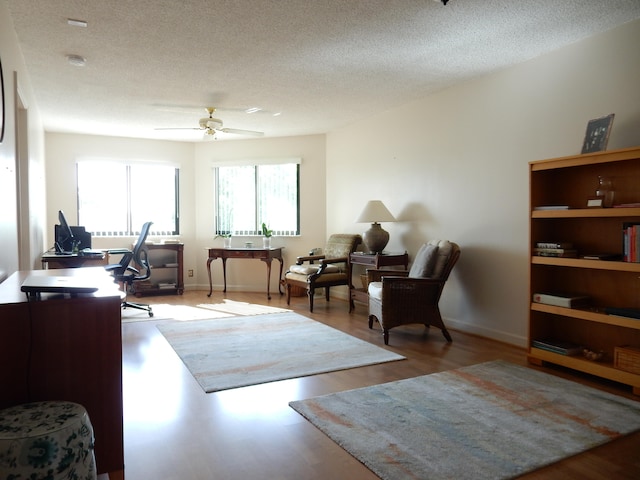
{"type": "Point", "coordinates": [375, 238]}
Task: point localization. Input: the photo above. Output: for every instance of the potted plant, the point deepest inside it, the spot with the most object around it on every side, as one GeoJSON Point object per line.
{"type": "Point", "coordinates": [226, 238]}
{"type": "Point", "coordinates": [266, 236]}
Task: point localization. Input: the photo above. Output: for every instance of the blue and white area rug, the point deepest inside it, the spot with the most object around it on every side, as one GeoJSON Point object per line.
{"type": "Point", "coordinates": [494, 420]}
{"type": "Point", "coordinates": [224, 353]}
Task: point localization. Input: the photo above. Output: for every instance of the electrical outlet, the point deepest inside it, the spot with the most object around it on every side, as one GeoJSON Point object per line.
{"type": "Point", "coordinates": [190, 273]}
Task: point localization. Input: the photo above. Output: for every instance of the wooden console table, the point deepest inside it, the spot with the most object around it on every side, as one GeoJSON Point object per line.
{"type": "Point", "coordinates": [375, 261]}
{"type": "Point", "coordinates": [66, 347]}
{"type": "Point", "coordinates": [264, 254]}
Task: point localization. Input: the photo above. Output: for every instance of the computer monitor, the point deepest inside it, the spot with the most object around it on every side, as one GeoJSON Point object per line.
{"type": "Point", "coordinates": [64, 235]}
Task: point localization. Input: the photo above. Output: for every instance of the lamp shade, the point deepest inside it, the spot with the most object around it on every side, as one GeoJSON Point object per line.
{"type": "Point", "coordinates": [376, 238]}
{"type": "Point", "coordinates": [375, 211]}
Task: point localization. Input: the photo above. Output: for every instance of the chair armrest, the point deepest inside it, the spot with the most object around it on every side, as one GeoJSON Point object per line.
{"type": "Point", "coordinates": [308, 258]}
{"type": "Point", "coordinates": [375, 275]}
{"type": "Point", "coordinates": [328, 261]}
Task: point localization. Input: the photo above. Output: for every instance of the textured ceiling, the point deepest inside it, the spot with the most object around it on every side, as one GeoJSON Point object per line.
{"type": "Point", "coordinates": [321, 64]}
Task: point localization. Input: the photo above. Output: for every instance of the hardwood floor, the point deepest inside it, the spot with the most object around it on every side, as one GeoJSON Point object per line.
{"type": "Point", "coordinates": [175, 431]}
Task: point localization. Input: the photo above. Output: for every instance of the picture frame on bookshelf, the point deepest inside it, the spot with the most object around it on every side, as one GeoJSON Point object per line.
{"type": "Point", "coordinates": [595, 202]}
{"type": "Point", "coordinates": [597, 134]}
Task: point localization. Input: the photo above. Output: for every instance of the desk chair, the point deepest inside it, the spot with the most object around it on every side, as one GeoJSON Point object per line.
{"type": "Point", "coordinates": [126, 273]}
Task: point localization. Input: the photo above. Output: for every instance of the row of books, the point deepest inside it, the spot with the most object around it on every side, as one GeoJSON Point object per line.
{"type": "Point", "coordinates": [567, 250]}
{"type": "Point", "coordinates": [631, 242]}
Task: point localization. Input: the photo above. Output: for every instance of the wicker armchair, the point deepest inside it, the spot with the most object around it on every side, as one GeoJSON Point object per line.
{"type": "Point", "coordinates": [398, 297]}
{"type": "Point", "coordinates": [331, 269]}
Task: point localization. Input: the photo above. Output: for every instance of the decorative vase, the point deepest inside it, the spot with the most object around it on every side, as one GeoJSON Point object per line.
{"type": "Point", "coordinates": [605, 190]}
{"type": "Point", "coordinates": [266, 242]}
{"type": "Point", "coordinates": [227, 242]}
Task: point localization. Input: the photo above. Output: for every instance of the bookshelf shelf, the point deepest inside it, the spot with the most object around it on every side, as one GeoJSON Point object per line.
{"type": "Point", "coordinates": [167, 276]}
{"type": "Point", "coordinates": [570, 181]}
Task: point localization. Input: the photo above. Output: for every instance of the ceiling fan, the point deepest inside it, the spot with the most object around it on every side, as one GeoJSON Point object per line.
{"type": "Point", "coordinates": [211, 126]}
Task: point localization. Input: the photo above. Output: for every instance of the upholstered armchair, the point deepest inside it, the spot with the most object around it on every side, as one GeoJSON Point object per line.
{"type": "Point", "coordinates": [398, 297]}
{"type": "Point", "coordinates": [325, 270]}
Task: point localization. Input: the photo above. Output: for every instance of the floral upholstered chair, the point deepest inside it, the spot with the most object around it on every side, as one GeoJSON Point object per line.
{"type": "Point", "coordinates": [398, 297]}
{"type": "Point", "coordinates": [325, 270]}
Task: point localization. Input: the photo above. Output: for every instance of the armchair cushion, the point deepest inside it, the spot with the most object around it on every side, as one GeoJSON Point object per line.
{"type": "Point", "coordinates": [314, 268]}
{"type": "Point", "coordinates": [425, 261]}
{"type": "Point", "coordinates": [445, 248]}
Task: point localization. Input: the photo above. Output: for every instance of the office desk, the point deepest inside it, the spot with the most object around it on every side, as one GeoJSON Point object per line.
{"type": "Point", "coordinates": [75, 260]}
{"type": "Point", "coordinates": [67, 348]}
{"type": "Point", "coordinates": [264, 254]}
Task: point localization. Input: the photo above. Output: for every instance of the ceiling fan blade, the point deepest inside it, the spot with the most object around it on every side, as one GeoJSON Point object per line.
{"type": "Point", "coordinates": [237, 131]}
{"type": "Point", "coordinates": [178, 128]}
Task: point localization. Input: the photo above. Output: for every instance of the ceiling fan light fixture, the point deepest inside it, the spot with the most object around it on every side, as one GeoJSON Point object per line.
{"type": "Point", "coordinates": [76, 23]}
{"type": "Point", "coordinates": [76, 60]}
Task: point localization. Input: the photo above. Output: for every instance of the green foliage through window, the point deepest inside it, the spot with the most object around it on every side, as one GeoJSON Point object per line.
{"type": "Point", "coordinates": [249, 195]}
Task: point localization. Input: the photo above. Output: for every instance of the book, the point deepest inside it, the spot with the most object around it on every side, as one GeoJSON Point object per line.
{"type": "Point", "coordinates": [561, 299]}
{"type": "Point", "coordinates": [623, 312]}
{"type": "Point", "coordinates": [628, 205]}
{"type": "Point", "coordinates": [558, 346]}
{"type": "Point", "coordinates": [552, 207]}
{"type": "Point", "coordinates": [555, 252]}
{"type": "Point", "coordinates": [554, 245]}
{"type": "Point", "coordinates": [631, 242]}
{"type": "Point", "coordinates": [602, 256]}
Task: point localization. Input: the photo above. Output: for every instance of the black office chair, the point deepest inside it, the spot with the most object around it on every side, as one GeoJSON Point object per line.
{"type": "Point", "coordinates": [127, 273]}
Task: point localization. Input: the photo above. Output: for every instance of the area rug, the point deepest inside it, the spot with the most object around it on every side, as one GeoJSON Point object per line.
{"type": "Point", "coordinates": [229, 308]}
{"type": "Point", "coordinates": [494, 420]}
{"type": "Point", "coordinates": [233, 352]}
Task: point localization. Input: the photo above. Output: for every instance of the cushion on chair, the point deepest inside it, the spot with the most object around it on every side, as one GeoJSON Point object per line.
{"type": "Point", "coordinates": [311, 269]}
{"type": "Point", "coordinates": [424, 262]}
{"type": "Point", "coordinates": [375, 290]}
{"type": "Point", "coordinates": [445, 247]}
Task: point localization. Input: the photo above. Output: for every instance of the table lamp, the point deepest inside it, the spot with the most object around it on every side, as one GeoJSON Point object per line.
{"type": "Point", "coordinates": [375, 238]}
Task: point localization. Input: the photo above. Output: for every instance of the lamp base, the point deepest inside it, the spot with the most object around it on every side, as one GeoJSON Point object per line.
{"type": "Point", "coordinates": [375, 238]}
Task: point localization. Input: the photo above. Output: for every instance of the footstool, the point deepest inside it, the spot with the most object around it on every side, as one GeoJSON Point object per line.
{"type": "Point", "coordinates": [46, 441]}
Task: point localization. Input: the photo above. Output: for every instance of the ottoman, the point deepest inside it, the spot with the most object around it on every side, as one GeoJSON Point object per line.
{"type": "Point", "coordinates": [46, 441]}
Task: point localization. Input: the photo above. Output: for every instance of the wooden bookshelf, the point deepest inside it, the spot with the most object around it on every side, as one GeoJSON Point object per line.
{"type": "Point", "coordinates": [167, 270]}
{"type": "Point", "coordinates": [571, 181]}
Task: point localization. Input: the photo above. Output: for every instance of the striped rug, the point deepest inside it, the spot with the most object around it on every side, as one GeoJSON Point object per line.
{"type": "Point", "coordinates": [494, 420]}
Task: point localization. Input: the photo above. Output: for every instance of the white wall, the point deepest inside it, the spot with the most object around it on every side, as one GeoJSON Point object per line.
{"type": "Point", "coordinates": [30, 166]}
{"type": "Point", "coordinates": [455, 166]}
{"type": "Point", "coordinates": [196, 195]}
{"type": "Point", "coordinates": [251, 275]}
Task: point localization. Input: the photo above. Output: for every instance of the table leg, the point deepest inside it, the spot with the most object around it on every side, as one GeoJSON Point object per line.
{"type": "Point", "coordinates": [268, 262]}
{"type": "Point", "coordinates": [280, 276]}
{"type": "Point", "coordinates": [224, 273]}
{"type": "Point", "coordinates": [209, 270]}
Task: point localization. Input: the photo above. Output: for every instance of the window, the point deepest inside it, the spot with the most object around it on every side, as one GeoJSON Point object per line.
{"type": "Point", "coordinates": [248, 195]}
{"type": "Point", "coordinates": [116, 199]}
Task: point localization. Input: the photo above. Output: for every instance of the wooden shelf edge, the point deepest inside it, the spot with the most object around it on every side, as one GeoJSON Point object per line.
{"type": "Point", "coordinates": [585, 159]}
{"type": "Point", "coordinates": [584, 263]}
{"type": "Point", "coordinates": [603, 370]}
{"type": "Point", "coordinates": [586, 213]}
{"type": "Point", "coordinates": [589, 315]}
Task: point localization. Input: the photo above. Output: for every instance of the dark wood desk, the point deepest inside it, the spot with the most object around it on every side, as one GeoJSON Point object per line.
{"type": "Point", "coordinates": [375, 261]}
{"type": "Point", "coordinates": [67, 348]}
{"type": "Point", "coordinates": [75, 260]}
{"type": "Point", "coordinates": [264, 254]}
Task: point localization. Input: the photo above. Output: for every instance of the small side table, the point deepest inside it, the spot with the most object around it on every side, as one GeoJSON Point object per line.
{"type": "Point", "coordinates": [373, 260]}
